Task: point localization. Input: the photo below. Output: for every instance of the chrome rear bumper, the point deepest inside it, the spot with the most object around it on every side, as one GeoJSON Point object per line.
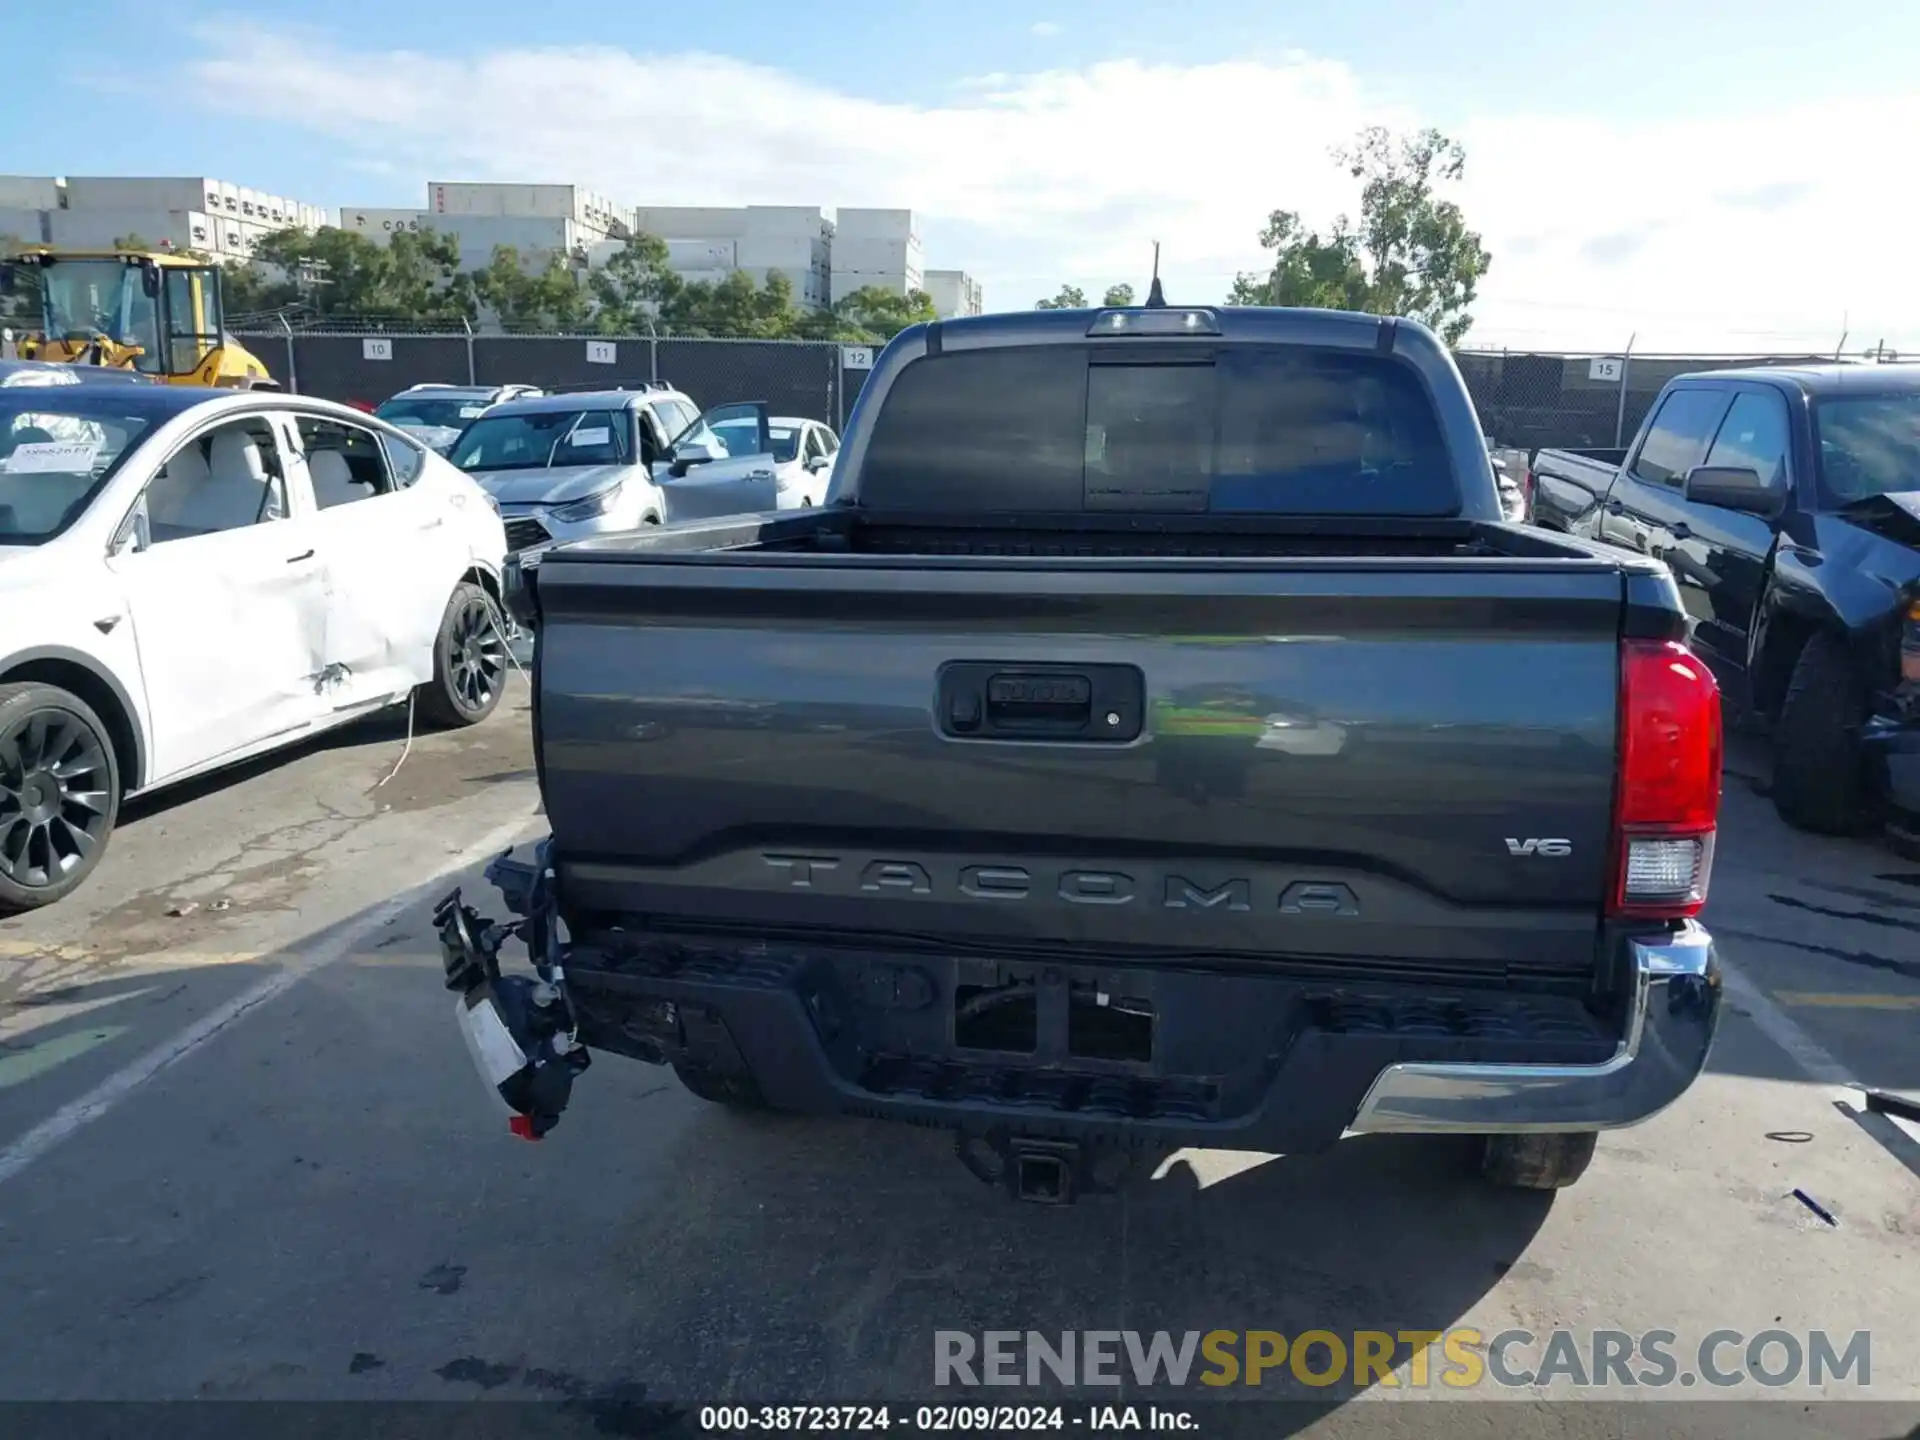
{"type": "Point", "coordinates": [1675, 1007]}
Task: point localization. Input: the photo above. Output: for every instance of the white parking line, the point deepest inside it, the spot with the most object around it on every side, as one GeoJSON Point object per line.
{"type": "Point", "coordinates": [1781, 1028]}
{"type": "Point", "coordinates": [111, 1091]}
{"type": "Point", "coordinates": [1900, 1138]}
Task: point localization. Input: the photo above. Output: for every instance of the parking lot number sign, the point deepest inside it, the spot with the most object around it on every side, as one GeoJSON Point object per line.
{"type": "Point", "coordinates": [601, 352]}
{"type": "Point", "coordinates": [376, 349]}
{"type": "Point", "coordinates": [1607, 369]}
{"type": "Point", "coordinates": [856, 357]}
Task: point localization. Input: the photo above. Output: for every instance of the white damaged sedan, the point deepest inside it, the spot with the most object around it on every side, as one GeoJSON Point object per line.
{"type": "Point", "coordinates": [191, 577]}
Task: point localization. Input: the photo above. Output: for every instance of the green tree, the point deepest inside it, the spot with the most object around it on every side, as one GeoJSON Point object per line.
{"type": "Point", "coordinates": [734, 306]}
{"type": "Point", "coordinates": [248, 289]}
{"type": "Point", "coordinates": [1071, 297]}
{"type": "Point", "coordinates": [1410, 254]}
{"type": "Point", "coordinates": [414, 276]}
{"type": "Point", "coordinates": [1118, 295]}
{"type": "Point", "coordinates": [874, 314]}
{"type": "Point", "coordinates": [550, 297]}
{"type": "Point", "coordinates": [633, 287]}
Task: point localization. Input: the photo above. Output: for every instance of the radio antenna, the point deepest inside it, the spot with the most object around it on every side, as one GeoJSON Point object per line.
{"type": "Point", "coordinates": [1156, 297]}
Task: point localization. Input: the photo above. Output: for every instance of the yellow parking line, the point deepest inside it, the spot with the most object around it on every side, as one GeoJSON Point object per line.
{"type": "Point", "coordinates": [1813, 999]}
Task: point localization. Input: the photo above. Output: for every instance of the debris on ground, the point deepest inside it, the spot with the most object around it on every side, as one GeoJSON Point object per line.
{"type": "Point", "coordinates": [1815, 1206]}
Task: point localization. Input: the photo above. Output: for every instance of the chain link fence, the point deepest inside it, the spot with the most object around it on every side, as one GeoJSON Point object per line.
{"type": "Point", "coordinates": [1524, 400]}
{"type": "Point", "coordinates": [802, 378]}
{"type": "Point", "coordinates": [1529, 400]}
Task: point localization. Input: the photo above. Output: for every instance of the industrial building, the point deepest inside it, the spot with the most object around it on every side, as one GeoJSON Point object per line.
{"type": "Point", "coordinates": [876, 249]}
{"type": "Point", "coordinates": [538, 221]}
{"type": "Point", "coordinates": [707, 243]}
{"type": "Point", "coordinates": [823, 259]}
{"type": "Point", "coordinates": [93, 212]}
{"type": "Point", "coordinates": [953, 292]}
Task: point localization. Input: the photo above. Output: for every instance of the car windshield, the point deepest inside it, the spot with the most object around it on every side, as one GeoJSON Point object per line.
{"type": "Point", "coordinates": [438, 412]}
{"type": "Point", "coordinates": [1869, 445]}
{"type": "Point", "coordinates": [535, 440]}
{"type": "Point", "coordinates": [53, 461]}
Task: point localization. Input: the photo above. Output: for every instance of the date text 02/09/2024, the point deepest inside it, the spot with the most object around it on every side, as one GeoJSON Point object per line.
{"type": "Point", "coordinates": [941, 1419]}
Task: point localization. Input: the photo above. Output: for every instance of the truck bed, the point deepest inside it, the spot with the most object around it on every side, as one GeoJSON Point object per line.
{"type": "Point", "coordinates": [1569, 484]}
{"type": "Point", "coordinates": [1333, 740]}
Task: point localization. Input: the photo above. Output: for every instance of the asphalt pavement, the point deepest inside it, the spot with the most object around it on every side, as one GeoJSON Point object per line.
{"type": "Point", "coordinates": [243, 1156]}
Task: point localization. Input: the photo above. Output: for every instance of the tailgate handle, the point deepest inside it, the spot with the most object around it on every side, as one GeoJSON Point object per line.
{"type": "Point", "coordinates": [1039, 701]}
{"type": "Point", "coordinates": [1075, 704]}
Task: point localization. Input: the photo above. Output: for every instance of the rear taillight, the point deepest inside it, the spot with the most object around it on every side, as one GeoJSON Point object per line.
{"type": "Point", "coordinates": [1669, 798]}
{"type": "Point", "coordinates": [1910, 646]}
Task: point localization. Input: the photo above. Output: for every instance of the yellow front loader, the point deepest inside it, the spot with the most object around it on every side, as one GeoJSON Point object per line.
{"type": "Point", "coordinates": [158, 313]}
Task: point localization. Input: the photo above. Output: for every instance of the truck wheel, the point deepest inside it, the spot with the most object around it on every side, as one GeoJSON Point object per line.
{"type": "Point", "coordinates": [1537, 1162]}
{"type": "Point", "coordinates": [1817, 779]}
{"type": "Point", "coordinates": [736, 1092]}
{"type": "Point", "coordinates": [59, 794]}
{"type": "Point", "coordinates": [469, 661]}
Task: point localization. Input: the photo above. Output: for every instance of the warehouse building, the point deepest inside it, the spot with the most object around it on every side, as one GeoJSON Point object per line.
{"type": "Point", "coordinates": [705, 243]}
{"type": "Point", "coordinates": [537, 221]}
{"type": "Point", "coordinates": [823, 259]}
{"type": "Point", "coordinates": [876, 249]}
{"type": "Point", "coordinates": [953, 292]}
{"type": "Point", "coordinates": [94, 212]}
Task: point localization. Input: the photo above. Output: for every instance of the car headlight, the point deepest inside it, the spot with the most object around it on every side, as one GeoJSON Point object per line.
{"type": "Point", "coordinates": [597, 503]}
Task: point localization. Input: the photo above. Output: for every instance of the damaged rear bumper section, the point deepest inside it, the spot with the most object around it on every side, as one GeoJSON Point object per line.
{"type": "Point", "coordinates": [1057, 1053]}
{"type": "Point", "coordinates": [1103, 1056]}
{"type": "Point", "coordinates": [1297, 1065]}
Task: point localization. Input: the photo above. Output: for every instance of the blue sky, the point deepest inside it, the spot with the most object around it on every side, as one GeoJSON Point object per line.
{"type": "Point", "coordinates": [1684, 170]}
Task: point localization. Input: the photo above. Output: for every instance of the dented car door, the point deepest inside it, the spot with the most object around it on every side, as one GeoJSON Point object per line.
{"type": "Point", "coordinates": [392, 559]}
{"type": "Point", "coordinates": [219, 564]}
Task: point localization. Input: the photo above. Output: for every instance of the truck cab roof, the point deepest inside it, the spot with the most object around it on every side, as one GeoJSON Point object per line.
{"type": "Point", "coordinates": [1815, 381]}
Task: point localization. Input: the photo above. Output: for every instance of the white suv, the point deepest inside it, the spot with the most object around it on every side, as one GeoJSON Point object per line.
{"type": "Point", "coordinates": [191, 577]}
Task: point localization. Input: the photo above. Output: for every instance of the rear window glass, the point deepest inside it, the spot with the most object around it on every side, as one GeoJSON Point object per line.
{"type": "Point", "coordinates": [1242, 431]}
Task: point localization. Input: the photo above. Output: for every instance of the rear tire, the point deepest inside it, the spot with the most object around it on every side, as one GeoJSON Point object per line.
{"type": "Point", "coordinates": [1537, 1162]}
{"type": "Point", "coordinates": [1818, 779]}
{"type": "Point", "coordinates": [469, 661]}
{"type": "Point", "coordinates": [59, 794]}
{"type": "Point", "coordinates": [736, 1092]}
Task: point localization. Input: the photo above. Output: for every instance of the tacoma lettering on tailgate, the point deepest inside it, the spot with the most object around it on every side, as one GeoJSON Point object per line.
{"type": "Point", "coordinates": [1002, 883]}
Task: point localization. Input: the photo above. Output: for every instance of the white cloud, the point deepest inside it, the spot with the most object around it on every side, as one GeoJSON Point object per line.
{"type": "Point", "coordinates": [1748, 231]}
{"type": "Point", "coordinates": [1045, 28]}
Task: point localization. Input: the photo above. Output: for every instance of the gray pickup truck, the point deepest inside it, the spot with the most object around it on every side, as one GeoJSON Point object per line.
{"type": "Point", "coordinates": [1190, 756]}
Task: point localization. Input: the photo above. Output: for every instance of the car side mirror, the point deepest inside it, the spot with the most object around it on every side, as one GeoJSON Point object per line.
{"type": "Point", "coordinates": [132, 536]}
{"type": "Point", "coordinates": [692, 453]}
{"type": "Point", "coordinates": [1736, 487]}
{"type": "Point", "coordinates": [819, 463]}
